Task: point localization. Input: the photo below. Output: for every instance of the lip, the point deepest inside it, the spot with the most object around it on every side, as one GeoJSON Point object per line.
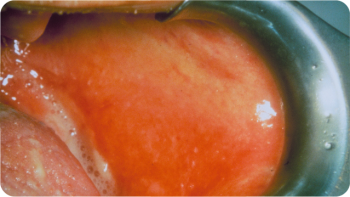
{"type": "Point", "coordinates": [310, 60]}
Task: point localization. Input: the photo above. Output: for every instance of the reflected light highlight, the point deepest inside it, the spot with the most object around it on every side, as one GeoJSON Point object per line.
{"type": "Point", "coordinates": [264, 111]}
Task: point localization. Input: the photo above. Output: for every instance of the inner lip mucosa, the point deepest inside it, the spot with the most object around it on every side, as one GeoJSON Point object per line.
{"type": "Point", "coordinates": [186, 107]}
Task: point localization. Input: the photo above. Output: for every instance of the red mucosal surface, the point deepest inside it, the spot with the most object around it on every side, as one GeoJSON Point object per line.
{"type": "Point", "coordinates": [149, 108]}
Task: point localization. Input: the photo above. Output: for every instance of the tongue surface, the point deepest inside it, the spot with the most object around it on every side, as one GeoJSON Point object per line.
{"type": "Point", "coordinates": [182, 108]}
{"type": "Point", "coordinates": [35, 162]}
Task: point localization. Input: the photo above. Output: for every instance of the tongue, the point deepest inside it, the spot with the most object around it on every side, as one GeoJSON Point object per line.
{"type": "Point", "coordinates": [35, 162]}
{"type": "Point", "coordinates": [181, 108]}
